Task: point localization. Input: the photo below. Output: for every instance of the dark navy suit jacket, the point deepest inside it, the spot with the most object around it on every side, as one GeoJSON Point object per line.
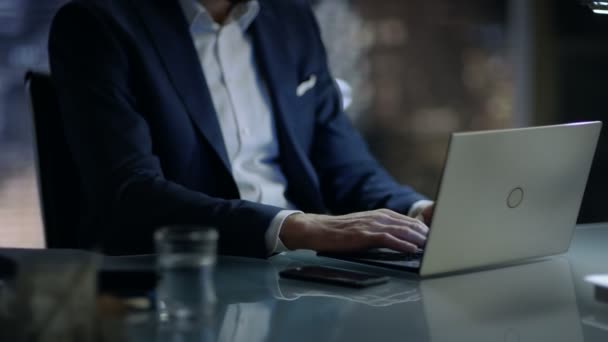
{"type": "Point", "coordinates": [144, 133]}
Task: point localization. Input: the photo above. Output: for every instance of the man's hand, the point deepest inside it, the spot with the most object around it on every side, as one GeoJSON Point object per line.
{"type": "Point", "coordinates": [426, 214]}
{"type": "Point", "coordinates": [354, 232]}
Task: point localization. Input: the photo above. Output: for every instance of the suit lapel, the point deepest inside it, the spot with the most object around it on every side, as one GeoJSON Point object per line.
{"type": "Point", "coordinates": [278, 69]}
{"type": "Point", "coordinates": [170, 33]}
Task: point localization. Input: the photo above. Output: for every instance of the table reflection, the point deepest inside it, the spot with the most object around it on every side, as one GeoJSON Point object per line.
{"type": "Point", "coordinates": [530, 302]}
{"type": "Point", "coordinates": [535, 301]}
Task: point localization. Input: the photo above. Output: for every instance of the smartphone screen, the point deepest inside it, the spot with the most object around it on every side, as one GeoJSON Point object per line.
{"type": "Point", "coordinates": [335, 276]}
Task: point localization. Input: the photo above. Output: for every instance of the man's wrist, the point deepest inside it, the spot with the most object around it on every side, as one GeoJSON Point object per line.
{"type": "Point", "coordinates": [273, 241]}
{"type": "Point", "coordinates": [418, 207]}
{"type": "Point", "coordinates": [294, 232]}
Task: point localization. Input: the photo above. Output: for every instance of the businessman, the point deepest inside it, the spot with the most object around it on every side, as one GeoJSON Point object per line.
{"type": "Point", "coordinates": [218, 113]}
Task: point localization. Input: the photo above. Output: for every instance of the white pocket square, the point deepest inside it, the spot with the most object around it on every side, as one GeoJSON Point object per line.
{"type": "Point", "coordinates": [305, 86]}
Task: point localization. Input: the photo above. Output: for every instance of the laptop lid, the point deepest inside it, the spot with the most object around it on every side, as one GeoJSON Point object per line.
{"type": "Point", "coordinates": [508, 195]}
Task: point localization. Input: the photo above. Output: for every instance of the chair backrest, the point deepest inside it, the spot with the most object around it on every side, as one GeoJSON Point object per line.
{"type": "Point", "coordinates": [58, 181]}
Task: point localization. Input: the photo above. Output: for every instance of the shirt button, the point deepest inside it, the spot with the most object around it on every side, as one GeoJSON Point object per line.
{"type": "Point", "coordinates": [245, 132]}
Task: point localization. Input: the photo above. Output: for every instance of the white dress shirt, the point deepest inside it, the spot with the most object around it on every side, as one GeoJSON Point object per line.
{"type": "Point", "coordinates": [243, 109]}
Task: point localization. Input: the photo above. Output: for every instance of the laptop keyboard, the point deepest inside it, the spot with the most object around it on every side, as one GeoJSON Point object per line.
{"type": "Point", "coordinates": [388, 255]}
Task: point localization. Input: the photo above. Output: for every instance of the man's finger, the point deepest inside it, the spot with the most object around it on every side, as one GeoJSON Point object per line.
{"type": "Point", "coordinates": [415, 224]}
{"type": "Point", "coordinates": [406, 234]}
{"type": "Point", "coordinates": [424, 227]}
{"type": "Point", "coordinates": [386, 240]}
{"type": "Point", "coordinates": [406, 221]}
{"type": "Point", "coordinates": [420, 227]}
{"type": "Point", "coordinates": [394, 214]}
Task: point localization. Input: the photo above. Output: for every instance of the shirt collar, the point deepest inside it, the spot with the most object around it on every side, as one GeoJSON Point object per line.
{"type": "Point", "coordinates": [196, 15]}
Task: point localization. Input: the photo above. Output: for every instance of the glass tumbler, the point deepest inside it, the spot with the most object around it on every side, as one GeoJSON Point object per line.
{"type": "Point", "coordinates": [186, 256]}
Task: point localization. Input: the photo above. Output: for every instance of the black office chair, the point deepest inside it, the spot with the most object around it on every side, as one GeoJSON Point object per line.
{"type": "Point", "coordinates": [58, 181]}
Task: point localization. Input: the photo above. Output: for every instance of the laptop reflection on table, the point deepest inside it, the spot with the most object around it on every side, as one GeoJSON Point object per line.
{"type": "Point", "coordinates": [529, 302]}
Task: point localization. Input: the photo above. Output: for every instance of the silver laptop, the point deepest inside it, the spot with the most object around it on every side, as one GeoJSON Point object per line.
{"type": "Point", "coordinates": [505, 195]}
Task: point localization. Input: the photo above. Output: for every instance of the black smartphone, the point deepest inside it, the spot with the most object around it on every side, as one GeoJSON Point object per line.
{"type": "Point", "coordinates": [334, 276]}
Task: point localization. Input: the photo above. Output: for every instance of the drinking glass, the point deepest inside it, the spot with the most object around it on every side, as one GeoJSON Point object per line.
{"type": "Point", "coordinates": [186, 256]}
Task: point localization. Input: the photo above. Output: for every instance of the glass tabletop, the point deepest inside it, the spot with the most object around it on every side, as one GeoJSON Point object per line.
{"type": "Point", "coordinates": [540, 300]}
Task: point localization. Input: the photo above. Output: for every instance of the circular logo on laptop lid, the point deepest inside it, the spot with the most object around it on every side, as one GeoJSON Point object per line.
{"type": "Point", "coordinates": [516, 197]}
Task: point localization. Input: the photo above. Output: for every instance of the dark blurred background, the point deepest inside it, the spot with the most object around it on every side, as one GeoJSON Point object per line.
{"type": "Point", "coordinates": [418, 70]}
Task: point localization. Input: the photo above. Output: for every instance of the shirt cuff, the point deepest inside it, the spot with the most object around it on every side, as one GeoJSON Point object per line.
{"type": "Point", "coordinates": [273, 242]}
{"type": "Point", "coordinates": [417, 208]}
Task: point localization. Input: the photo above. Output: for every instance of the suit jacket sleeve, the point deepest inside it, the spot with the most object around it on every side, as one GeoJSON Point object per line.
{"type": "Point", "coordinates": [351, 179]}
{"type": "Point", "coordinates": [113, 148]}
